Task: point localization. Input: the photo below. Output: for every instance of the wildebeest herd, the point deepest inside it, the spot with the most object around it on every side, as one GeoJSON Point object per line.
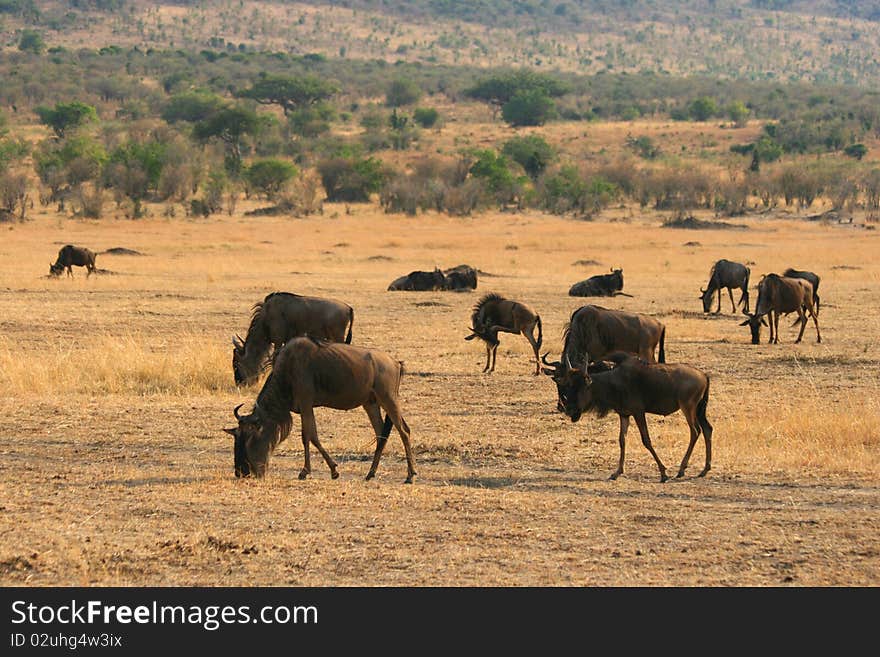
{"type": "Point", "coordinates": [611, 360]}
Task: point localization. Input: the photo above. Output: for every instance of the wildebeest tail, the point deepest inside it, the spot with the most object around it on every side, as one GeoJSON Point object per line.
{"type": "Point", "coordinates": [662, 357]}
{"type": "Point", "coordinates": [540, 333]}
{"type": "Point", "coordinates": [350, 325]}
{"type": "Point", "coordinates": [386, 428]}
{"type": "Point", "coordinates": [701, 410]}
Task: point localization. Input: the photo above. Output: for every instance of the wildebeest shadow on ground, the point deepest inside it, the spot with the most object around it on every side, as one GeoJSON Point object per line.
{"type": "Point", "coordinates": [153, 481]}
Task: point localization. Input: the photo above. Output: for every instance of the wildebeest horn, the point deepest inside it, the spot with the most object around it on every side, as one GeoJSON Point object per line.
{"type": "Point", "coordinates": [568, 364]}
{"type": "Point", "coordinates": [235, 412]}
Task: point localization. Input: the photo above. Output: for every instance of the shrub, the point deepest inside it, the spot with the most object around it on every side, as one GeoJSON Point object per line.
{"type": "Point", "coordinates": [528, 108]}
{"type": "Point", "coordinates": [351, 179]}
{"type": "Point", "coordinates": [532, 153]}
{"type": "Point", "coordinates": [426, 117]}
{"type": "Point", "coordinates": [269, 176]}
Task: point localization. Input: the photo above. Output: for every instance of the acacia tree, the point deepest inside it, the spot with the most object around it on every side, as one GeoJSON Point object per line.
{"type": "Point", "coordinates": [229, 125]}
{"type": "Point", "coordinates": [66, 116]}
{"type": "Point", "coordinates": [498, 90]}
{"type": "Point", "coordinates": [289, 93]}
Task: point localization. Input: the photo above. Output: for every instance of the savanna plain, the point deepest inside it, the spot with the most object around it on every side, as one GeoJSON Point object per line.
{"type": "Point", "coordinates": [114, 469]}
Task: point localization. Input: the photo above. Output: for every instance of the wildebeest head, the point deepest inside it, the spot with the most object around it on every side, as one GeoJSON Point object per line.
{"type": "Point", "coordinates": [55, 269]}
{"type": "Point", "coordinates": [237, 357]}
{"type": "Point", "coordinates": [706, 296]}
{"type": "Point", "coordinates": [486, 335]}
{"type": "Point", "coordinates": [252, 446]}
{"type": "Point", "coordinates": [754, 323]}
{"type": "Point", "coordinates": [572, 386]}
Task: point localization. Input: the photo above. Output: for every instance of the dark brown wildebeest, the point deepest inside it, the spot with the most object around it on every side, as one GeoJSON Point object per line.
{"type": "Point", "coordinates": [69, 255]}
{"type": "Point", "coordinates": [280, 317]}
{"type": "Point", "coordinates": [633, 387]}
{"type": "Point", "coordinates": [603, 285]}
{"type": "Point", "coordinates": [730, 275]}
{"type": "Point", "coordinates": [807, 276]}
{"type": "Point", "coordinates": [462, 277]}
{"type": "Point", "coordinates": [493, 314]}
{"type": "Point", "coordinates": [420, 281]}
{"type": "Point", "coordinates": [311, 373]}
{"type": "Point", "coordinates": [780, 295]}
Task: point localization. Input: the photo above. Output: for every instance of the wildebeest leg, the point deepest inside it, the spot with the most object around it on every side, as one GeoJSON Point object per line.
{"type": "Point", "coordinates": [802, 318]}
{"type": "Point", "coordinates": [732, 304]}
{"type": "Point", "coordinates": [310, 435]}
{"type": "Point", "coordinates": [494, 356]}
{"type": "Point", "coordinates": [707, 436]}
{"type": "Point", "coordinates": [718, 309]}
{"type": "Point", "coordinates": [488, 357]}
{"type": "Point", "coordinates": [816, 322]}
{"type": "Point", "coordinates": [375, 415]}
{"type": "Point", "coordinates": [744, 298]}
{"type": "Point", "coordinates": [690, 414]}
{"type": "Point", "coordinates": [776, 327]}
{"type": "Point", "coordinates": [624, 426]}
{"type": "Point", "coordinates": [646, 441]}
{"type": "Point", "coordinates": [532, 341]}
{"type": "Point", "coordinates": [393, 410]}
{"type": "Point", "coordinates": [770, 326]}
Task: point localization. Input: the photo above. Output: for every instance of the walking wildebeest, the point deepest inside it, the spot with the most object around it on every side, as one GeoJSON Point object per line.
{"type": "Point", "coordinates": [310, 373]}
{"type": "Point", "coordinates": [420, 281]}
{"type": "Point", "coordinates": [493, 314]}
{"type": "Point", "coordinates": [280, 317]}
{"type": "Point", "coordinates": [807, 276]}
{"type": "Point", "coordinates": [73, 255]}
{"type": "Point", "coordinates": [780, 295]}
{"type": "Point", "coordinates": [602, 285]}
{"type": "Point", "coordinates": [730, 275]}
{"type": "Point", "coordinates": [462, 277]}
{"type": "Point", "coordinates": [633, 387]}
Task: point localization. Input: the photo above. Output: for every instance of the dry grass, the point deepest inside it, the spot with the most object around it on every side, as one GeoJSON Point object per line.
{"type": "Point", "coordinates": [113, 469]}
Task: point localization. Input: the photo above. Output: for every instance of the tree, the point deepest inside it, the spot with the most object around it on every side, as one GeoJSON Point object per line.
{"type": "Point", "coordinates": [498, 90]}
{"type": "Point", "coordinates": [289, 93]}
{"type": "Point", "coordinates": [532, 153]}
{"type": "Point", "coordinates": [402, 92]}
{"type": "Point", "coordinates": [529, 108]}
{"type": "Point", "coordinates": [192, 106]}
{"type": "Point", "coordinates": [31, 41]}
{"type": "Point", "coordinates": [738, 113]}
{"type": "Point", "coordinates": [858, 151]}
{"type": "Point", "coordinates": [66, 116]}
{"type": "Point", "coordinates": [269, 176]}
{"type": "Point", "coordinates": [426, 117]}
{"type": "Point", "coordinates": [229, 125]}
{"type": "Point", "coordinates": [351, 179]}
{"type": "Point", "coordinates": [494, 170]}
{"type": "Point", "coordinates": [702, 109]}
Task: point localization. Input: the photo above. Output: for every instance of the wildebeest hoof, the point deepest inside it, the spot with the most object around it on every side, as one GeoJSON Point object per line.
{"type": "Point", "coordinates": [614, 476]}
{"type": "Point", "coordinates": [680, 474]}
{"type": "Point", "coordinates": [408, 480]}
{"type": "Point", "coordinates": [334, 474]}
{"type": "Point", "coordinates": [370, 475]}
{"type": "Point", "coordinates": [703, 473]}
{"type": "Point", "coordinates": [663, 478]}
{"type": "Point", "coordinates": [303, 474]}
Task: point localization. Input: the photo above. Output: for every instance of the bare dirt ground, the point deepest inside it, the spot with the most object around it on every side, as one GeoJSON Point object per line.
{"type": "Point", "coordinates": [114, 471]}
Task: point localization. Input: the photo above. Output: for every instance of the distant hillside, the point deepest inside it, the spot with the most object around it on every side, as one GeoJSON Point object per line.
{"type": "Point", "coordinates": [833, 41]}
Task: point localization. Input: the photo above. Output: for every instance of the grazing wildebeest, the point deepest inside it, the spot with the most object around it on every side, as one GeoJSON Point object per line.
{"type": "Point", "coordinates": [73, 255]}
{"type": "Point", "coordinates": [807, 276]}
{"type": "Point", "coordinates": [420, 281]}
{"type": "Point", "coordinates": [493, 314]}
{"type": "Point", "coordinates": [633, 387]}
{"type": "Point", "coordinates": [280, 317]}
{"type": "Point", "coordinates": [602, 285]}
{"type": "Point", "coordinates": [310, 373]}
{"type": "Point", "coordinates": [462, 277]}
{"type": "Point", "coordinates": [730, 275]}
{"type": "Point", "coordinates": [780, 295]}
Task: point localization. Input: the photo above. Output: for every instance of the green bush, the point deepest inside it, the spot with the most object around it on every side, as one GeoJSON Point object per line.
{"type": "Point", "coordinates": [269, 176]}
{"type": "Point", "coordinates": [426, 117]}
{"type": "Point", "coordinates": [351, 179]}
{"type": "Point", "coordinates": [532, 153]}
{"type": "Point", "coordinates": [529, 108]}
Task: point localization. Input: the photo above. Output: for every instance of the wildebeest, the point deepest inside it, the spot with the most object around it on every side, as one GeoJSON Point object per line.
{"type": "Point", "coordinates": [493, 314]}
{"type": "Point", "coordinates": [730, 275]}
{"type": "Point", "coordinates": [310, 373]}
{"type": "Point", "coordinates": [602, 285]}
{"type": "Point", "coordinates": [632, 387]}
{"type": "Point", "coordinates": [781, 295]}
{"type": "Point", "coordinates": [420, 281]}
{"type": "Point", "coordinates": [807, 276]}
{"type": "Point", "coordinates": [280, 317]}
{"type": "Point", "coordinates": [73, 255]}
{"type": "Point", "coordinates": [462, 277]}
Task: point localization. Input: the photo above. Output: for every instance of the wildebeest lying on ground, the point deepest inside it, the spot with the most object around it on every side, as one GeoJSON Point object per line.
{"type": "Point", "coordinates": [280, 317]}
{"type": "Point", "coordinates": [632, 387]}
{"type": "Point", "coordinates": [73, 255]}
{"type": "Point", "coordinates": [807, 276]}
{"type": "Point", "coordinates": [420, 281]}
{"type": "Point", "coordinates": [462, 277]}
{"type": "Point", "coordinates": [781, 295]}
{"type": "Point", "coordinates": [602, 285]}
{"type": "Point", "coordinates": [493, 314]}
{"type": "Point", "coordinates": [730, 275]}
{"type": "Point", "coordinates": [310, 373]}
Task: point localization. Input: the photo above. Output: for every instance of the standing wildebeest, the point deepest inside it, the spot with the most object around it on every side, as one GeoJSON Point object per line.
{"type": "Point", "coordinates": [730, 275]}
{"type": "Point", "coordinates": [73, 255]}
{"type": "Point", "coordinates": [420, 281]}
{"type": "Point", "coordinates": [494, 314]}
{"type": "Point", "coordinates": [280, 317]}
{"type": "Point", "coordinates": [807, 276]}
{"type": "Point", "coordinates": [462, 277]}
{"type": "Point", "coordinates": [780, 295]}
{"type": "Point", "coordinates": [310, 373]}
{"type": "Point", "coordinates": [632, 388]}
{"type": "Point", "coordinates": [603, 285]}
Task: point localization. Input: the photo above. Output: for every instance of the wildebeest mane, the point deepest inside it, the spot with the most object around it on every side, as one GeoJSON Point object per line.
{"type": "Point", "coordinates": [604, 337]}
{"type": "Point", "coordinates": [274, 403]}
{"type": "Point", "coordinates": [487, 298]}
